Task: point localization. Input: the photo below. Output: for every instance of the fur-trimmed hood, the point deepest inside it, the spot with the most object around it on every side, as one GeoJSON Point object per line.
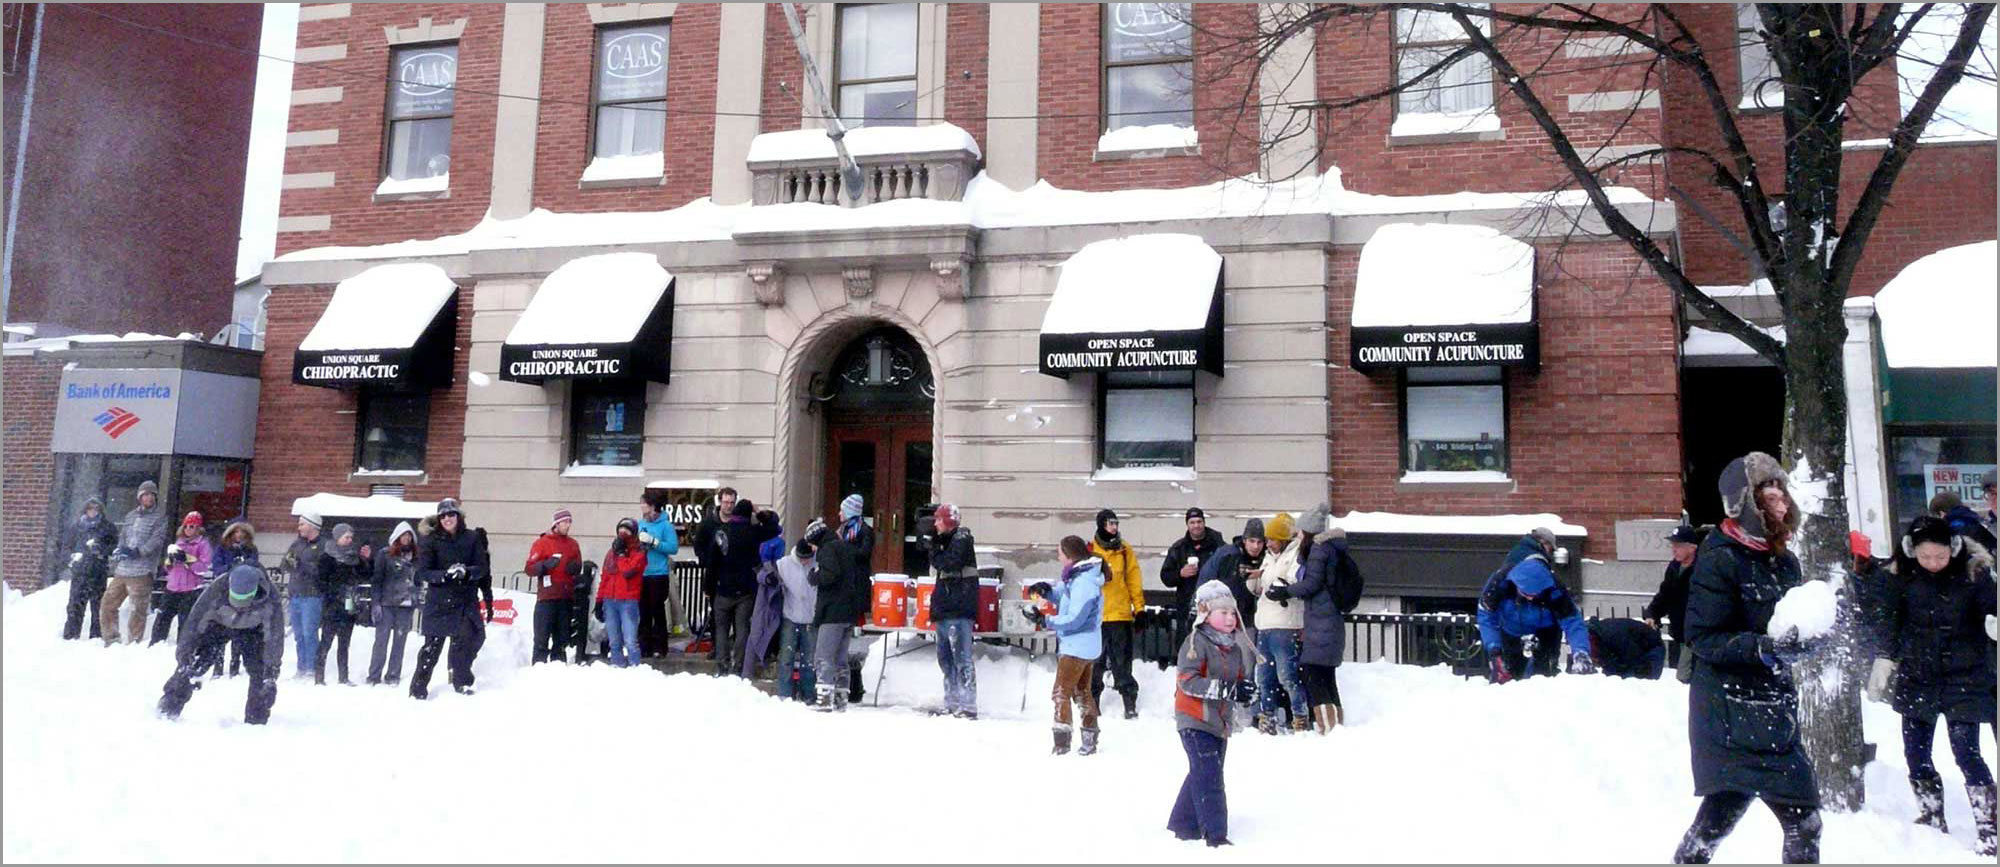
{"type": "Point", "coordinates": [1738, 486]}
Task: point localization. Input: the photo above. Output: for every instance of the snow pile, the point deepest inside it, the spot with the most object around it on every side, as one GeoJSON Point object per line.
{"type": "Point", "coordinates": [699, 220]}
{"type": "Point", "coordinates": [1482, 525]}
{"type": "Point", "coordinates": [1703, 342]}
{"type": "Point", "coordinates": [1940, 310]}
{"type": "Point", "coordinates": [408, 186]}
{"type": "Point", "coordinates": [593, 299]}
{"type": "Point", "coordinates": [384, 307]}
{"type": "Point", "coordinates": [1148, 137]}
{"type": "Point", "coordinates": [625, 168]}
{"type": "Point", "coordinates": [375, 506]}
{"type": "Point", "coordinates": [1806, 610]}
{"type": "Point", "coordinates": [458, 766]}
{"type": "Point", "coordinates": [810, 217]}
{"type": "Point", "coordinates": [1439, 123]}
{"type": "Point", "coordinates": [1161, 282]}
{"type": "Point", "coordinates": [803, 145]}
{"type": "Point", "coordinates": [1422, 274]}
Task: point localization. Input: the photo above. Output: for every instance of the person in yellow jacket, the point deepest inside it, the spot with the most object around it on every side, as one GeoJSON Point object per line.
{"type": "Point", "coordinates": [1124, 595]}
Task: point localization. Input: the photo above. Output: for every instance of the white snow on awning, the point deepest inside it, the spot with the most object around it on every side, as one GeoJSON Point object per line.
{"type": "Point", "coordinates": [336, 506]}
{"type": "Point", "coordinates": [1483, 525]}
{"type": "Point", "coordinates": [1939, 312]}
{"type": "Point", "coordinates": [812, 144]}
{"type": "Point", "coordinates": [1704, 342]}
{"type": "Point", "coordinates": [1162, 282]}
{"type": "Point", "coordinates": [593, 299]}
{"type": "Point", "coordinates": [384, 307]}
{"type": "Point", "coordinates": [1424, 274]}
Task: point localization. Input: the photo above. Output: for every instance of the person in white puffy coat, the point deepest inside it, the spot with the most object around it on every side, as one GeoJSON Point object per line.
{"type": "Point", "coordinates": [1278, 626]}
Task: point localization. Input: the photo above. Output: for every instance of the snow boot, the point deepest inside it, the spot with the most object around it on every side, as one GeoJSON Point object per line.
{"type": "Point", "coordinates": [823, 698]}
{"type": "Point", "coordinates": [1089, 746]}
{"type": "Point", "coordinates": [1983, 799]}
{"type": "Point", "coordinates": [462, 689]}
{"type": "Point", "coordinates": [1301, 725]}
{"type": "Point", "coordinates": [1131, 711]}
{"type": "Point", "coordinates": [1930, 801]}
{"type": "Point", "coordinates": [1062, 742]}
{"type": "Point", "coordinates": [1266, 724]}
{"type": "Point", "coordinates": [1326, 717]}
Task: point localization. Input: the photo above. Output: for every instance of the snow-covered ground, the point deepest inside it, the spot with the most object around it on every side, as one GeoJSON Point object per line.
{"type": "Point", "coordinates": [564, 764]}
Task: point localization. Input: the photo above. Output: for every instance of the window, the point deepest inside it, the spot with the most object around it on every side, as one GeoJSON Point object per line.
{"type": "Point", "coordinates": [1148, 419]}
{"type": "Point", "coordinates": [875, 64]}
{"type": "Point", "coordinates": [1148, 65]}
{"type": "Point", "coordinates": [629, 115]}
{"type": "Point", "coordinates": [1423, 39]}
{"type": "Point", "coordinates": [393, 428]}
{"type": "Point", "coordinates": [1761, 87]}
{"type": "Point", "coordinates": [1454, 420]}
{"type": "Point", "coordinates": [421, 99]}
{"type": "Point", "coordinates": [607, 423]}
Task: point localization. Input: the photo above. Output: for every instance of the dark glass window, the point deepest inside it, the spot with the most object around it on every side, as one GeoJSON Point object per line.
{"type": "Point", "coordinates": [1148, 65]}
{"type": "Point", "coordinates": [1148, 419]}
{"type": "Point", "coordinates": [875, 64]}
{"type": "Point", "coordinates": [1454, 419]}
{"type": "Point", "coordinates": [392, 430]}
{"type": "Point", "coordinates": [607, 423]}
{"type": "Point", "coordinates": [630, 116]}
{"type": "Point", "coordinates": [422, 97]}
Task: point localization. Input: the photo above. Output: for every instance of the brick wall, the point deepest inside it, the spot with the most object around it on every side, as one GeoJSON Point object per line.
{"type": "Point", "coordinates": [305, 435]}
{"type": "Point", "coordinates": [1593, 437]}
{"type": "Point", "coordinates": [563, 144]}
{"type": "Point", "coordinates": [784, 83]}
{"type": "Point", "coordinates": [357, 159]}
{"type": "Point", "coordinates": [28, 394]}
{"type": "Point", "coordinates": [966, 26]}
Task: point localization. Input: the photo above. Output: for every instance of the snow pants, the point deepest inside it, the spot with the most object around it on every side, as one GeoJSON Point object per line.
{"type": "Point", "coordinates": [392, 632]}
{"type": "Point", "coordinates": [732, 629]}
{"type": "Point", "coordinates": [336, 633]}
{"type": "Point", "coordinates": [795, 661]}
{"type": "Point", "coordinates": [954, 651]}
{"type": "Point", "coordinates": [115, 591]}
{"type": "Point", "coordinates": [1117, 662]}
{"type": "Point", "coordinates": [173, 606]}
{"type": "Point", "coordinates": [1202, 810]}
{"type": "Point", "coordinates": [1719, 814]}
{"type": "Point", "coordinates": [552, 630]}
{"type": "Point", "coordinates": [1074, 681]}
{"type": "Point", "coordinates": [1920, 732]}
{"type": "Point", "coordinates": [249, 644]}
{"type": "Point", "coordinates": [85, 597]}
{"type": "Point", "coordinates": [466, 635]}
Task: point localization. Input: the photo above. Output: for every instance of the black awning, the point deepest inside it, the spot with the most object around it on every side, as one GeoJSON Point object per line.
{"type": "Point", "coordinates": [1443, 295]}
{"type": "Point", "coordinates": [647, 355]}
{"type": "Point", "coordinates": [1514, 344]}
{"type": "Point", "coordinates": [1139, 303]}
{"type": "Point", "coordinates": [423, 363]}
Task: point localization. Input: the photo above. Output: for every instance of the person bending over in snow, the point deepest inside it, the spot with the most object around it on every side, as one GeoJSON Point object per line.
{"type": "Point", "coordinates": [1215, 667]}
{"type": "Point", "coordinates": [1079, 599]}
{"type": "Point", "coordinates": [242, 611]}
{"type": "Point", "coordinates": [1524, 599]}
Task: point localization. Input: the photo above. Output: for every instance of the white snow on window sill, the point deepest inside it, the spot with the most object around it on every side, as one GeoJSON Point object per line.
{"type": "Point", "coordinates": [1143, 474]}
{"type": "Point", "coordinates": [698, 484]}
{"type": "Point", "coordinates": [1877, 144]}
{"type": "Point", "coordinates": [1159, 137]}
{"type": "Point", "coordinates": [365, 473]}
{"type": "Point", "coordinates": [591, 471]}
{"type": "Point", "coordinates": [625, 168]}
{"type": "Point", "coordinates": [414, 186]}
{"type": "Point", "coordinates": [1419, 126]}
{"type": "Point", "coordinates": [1440, 477]}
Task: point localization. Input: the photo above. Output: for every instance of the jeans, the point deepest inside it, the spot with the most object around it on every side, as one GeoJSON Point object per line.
{"type": "Point", "coordinates": [1280, 665]}
{"type": "Point", "coordinates": [1116, 661]}
{"type": "Point", "coordinates": [552, 628]}
{"type": "Point", "coordinates": [173, 606]}
{"type": "Point", "coordinates": [795, 651]}
{"type": "Point", "coordinates": [1719, 813]}
{"type": "Point", "coordinates": [954, 651]}
{"type": "Point", "coordinates": [304, 617]}
{"type": "Point", "coordinates": [392, 632]}
{"type": "Point", "coordinates": [732, 629]}
{"type": "Point", "coordinates": [830, 662]}
{"type": "Point", "coordinates": [249, 643]}
{"type": "Point", "coordinates": [621, 626]}
{"type": "Point", "coordinates": [1920, 732]}
{"type": "Point", "coordinates": [1202, 810]}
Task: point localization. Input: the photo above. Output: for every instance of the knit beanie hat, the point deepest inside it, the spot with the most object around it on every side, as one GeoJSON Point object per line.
{"type": "Point", "coordinates": [947, 518]}
{"type": "Point", "coordinates": [1194, 512]}
{"type": "Point", "coordinates": [243, 581]}
{"type": "Point", "coordinates": [560, 516]}
{"type": "Point", "coordinates": [1254, 529]}
{"type": "Point", "coordinates": [1544, 537]}
{"type": "Point", "coordinates": [850, 508]}
{"type": "Point", "coordinates": [743, 509]}
{"type": "Point", "coordinates": [1313, 521]}
{"type": "Point", "coordinates": [191, 519]}
{"type": "Point", "coordinates": [147, 487]}
{"type": "Point", "coordinates": [1213, 595]}
{"type": "Point", "coordinates": [1280, 528]}
{"type": "Point", "coordinates": [312, 518]}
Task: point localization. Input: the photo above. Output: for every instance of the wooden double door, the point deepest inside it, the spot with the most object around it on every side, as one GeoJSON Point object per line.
{"type": "Point", "coordinates": [887, 459]}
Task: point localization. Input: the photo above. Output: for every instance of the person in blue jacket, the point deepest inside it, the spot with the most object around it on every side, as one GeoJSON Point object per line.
{"type": "Point", "coordinates": [1079, 599]}
{"type": "Point", "coordinates": [659, 611]}
{"type": "Point", "coordinates": [1523, 598]}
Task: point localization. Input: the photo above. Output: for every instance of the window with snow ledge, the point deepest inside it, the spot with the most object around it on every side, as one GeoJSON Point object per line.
{"type": "Point", "coordinates": [607, 426]}
{"type": "Point", "coordinates": [629, 103]}
{"type": "Point", "coordinates": [1436, 128]}
{"type": "Point", "coordinates": [1455, 425]}
{"type": "Point", "coordinates": [1151, 140]}
{"type": "Point", "coordinates": [1148, 58]}
{"type": "Point", "coordinates": [624, 171]}
{"type": "Point", "coordinates": [416, 162]}
{"type": "Point", "coordinates": [1455, 103]}
{"type": "Point", "coordinates": [413, 188]}
{"type": "Point", "coordinates": [1146, 420]}
{"type": "Point", "coordinates": [392, 428]}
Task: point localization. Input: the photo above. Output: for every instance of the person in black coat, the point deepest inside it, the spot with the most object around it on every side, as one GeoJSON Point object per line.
{"type": "Point", "coordinates": [707, 551]}
{"type": "Point", "coordinates": [955, 608]}
{"type": "Point", "coordinates": [1181, 570]}
{"type": "Point", "coordinates": [842, 599]}
{"type": "Point", "coordinates": [1940, 663]}
{"type": "Point", "coordinates": [456, 570]}
{"type": "Point", "coordinates": [344, 566]}
{"type": "Point", "coordinates": [1743, 708]}
{"type": "Point", "coordinates": [1624, 647]}
{"type": "Point", "coordinates": [1670, 602]}
{"type": "Point", "coordinates": [87, 542]}
{"type": "Point", "coordinates": [1329, 586]}
{"type": "Point", "coordinates": [736, 564]}
{"type": "Point", "coordinates": [1235, 566]}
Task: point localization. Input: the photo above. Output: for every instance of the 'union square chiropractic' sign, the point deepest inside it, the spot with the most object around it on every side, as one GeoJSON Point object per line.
{"type": "Point", "coordinates": [1387, 348]}
{"type": "Point", "coordinates": [535, 363]}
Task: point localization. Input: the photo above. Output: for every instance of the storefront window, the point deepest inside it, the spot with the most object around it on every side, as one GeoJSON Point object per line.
{"type": "Point", "coordinates": [875, 64]}
{"type": "Point", "coordinates": [1148, 419]}
{"type": "Point", "coordinates": [422, 96]}
{"type": "Point", "coordinates": [393, 429]}
{"type": "Point", "coordinates": [607, 423]}
{"type": "Point", "coordinates": [1454, 420]}
{"type": "Point", "coordinates": [631, 116]}
{"type": "Point", "coordinates": [1927, 462]}
{"type": "Point", "coordinates": [214, 487]}
{"type": "Point", "coordinates": [1148, 65]}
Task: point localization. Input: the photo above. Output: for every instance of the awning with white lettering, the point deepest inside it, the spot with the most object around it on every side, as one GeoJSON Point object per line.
{"type": "Point", "coordinates": [1142, 302]}
{"type": "Point", "coordinates": [391, 325]}
{"type": "Point", "coordinates": [1444, 295]}
{"type": "Point", "coordinates": [597, 317]}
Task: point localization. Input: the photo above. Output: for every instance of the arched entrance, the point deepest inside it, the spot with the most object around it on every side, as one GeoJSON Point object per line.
{"type": "Point", "coordinates": [876, 399]}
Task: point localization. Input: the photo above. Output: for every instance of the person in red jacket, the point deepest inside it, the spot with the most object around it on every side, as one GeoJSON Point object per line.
{"type": "Point", "coordinates": [554, 561]}
{"type": "Point", "coordinates": [618, 587]}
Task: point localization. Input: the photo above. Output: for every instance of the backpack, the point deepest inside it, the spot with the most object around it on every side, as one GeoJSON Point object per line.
{"type": "Point", "coordinates": [1347, 582]}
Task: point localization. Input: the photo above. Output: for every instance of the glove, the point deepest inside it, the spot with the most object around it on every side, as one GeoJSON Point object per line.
{"type": "Point", "coordinates": [549, 564]}
{"type": "Point", "coordinates": [1581, 663]}
{"type": "Point", "coordinates": [1279, 595]}
{"type": "Point", "coordinates": [1992, 628]}
{"type": "Point", "coordinates": [123, 553]}
{"type": "Point", "coordinates": [1786, 650]}
{"type": "Point", "coordinates": [1036, 617]}
{"type": "Point", "coordinates": [1041, 589]}
{"type": "Point", "coordinates": [76, 559]}
{"type": "Point", "coordinates": [598, 609]}
{"type": "Point", "coordinates": [1880, 675]}
{"type": "Point", "coordinates": [91, 544]}
{"type": "Point", "coordinates": [646, 539]}
{"type": "Point", "coordinates": [455, 572]}
{"type": "Point", "coordinates": [1244, 691]}
{"type": "Point", "coordinates": [1499, 674]}
{"type": "Point", "coordinates": [488, 607]}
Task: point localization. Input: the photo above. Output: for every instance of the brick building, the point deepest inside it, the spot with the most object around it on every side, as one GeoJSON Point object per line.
{"type": "Point", "coordinates": [957, 334]}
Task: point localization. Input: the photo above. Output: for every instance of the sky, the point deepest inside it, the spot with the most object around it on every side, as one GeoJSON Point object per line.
{"type": "Point", "coordinates": [1968, 108]}
{"type": "Point", "coordinates": [267, 139]}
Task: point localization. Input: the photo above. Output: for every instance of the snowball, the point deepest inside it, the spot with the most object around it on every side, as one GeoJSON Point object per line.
{"type": "Point", "coordinates": [1808, 608]}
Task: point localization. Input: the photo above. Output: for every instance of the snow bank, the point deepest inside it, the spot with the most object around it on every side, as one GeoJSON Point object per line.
{"type": "Point", "coordinates": [1940, 310]}
{"type": "Point", "coordinates": [625, 168]}
{"type": "Point", "coordinates": [699, 220]}
{"type": "Point", "coordinates": [384, 307]}
{"type": "Point", "coordinates": [1148, 137]}
{"type": "Point", "coordinates": [1807, 609]}
{"type": "Point", "coordinates": [1703, 342]}
{"type": "Point", "coordinates": [1160, 282]}
{"type": "Point", "coordinates": [1495, 525]}
{"type": "Point", "coordinates": [593, 299]}
{"type": "Point", "coordinates": [1438, 123]}
{"type": "Point", "coordinates": [812, 144]}
{"type": "Point", "coordinates": [1443, 274]}
{"type": "Point", "coordinates": [376, 506]}
{"type": "Point", "coordinates": [406, 186]}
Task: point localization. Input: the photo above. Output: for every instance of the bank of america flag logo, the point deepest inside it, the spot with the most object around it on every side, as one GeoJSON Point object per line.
{"type": "Point", "coordinates": [116, 420]}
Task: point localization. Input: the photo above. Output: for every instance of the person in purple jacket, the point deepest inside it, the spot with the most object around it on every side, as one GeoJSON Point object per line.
{"type": "Point", "coordinates": [187, 565]}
